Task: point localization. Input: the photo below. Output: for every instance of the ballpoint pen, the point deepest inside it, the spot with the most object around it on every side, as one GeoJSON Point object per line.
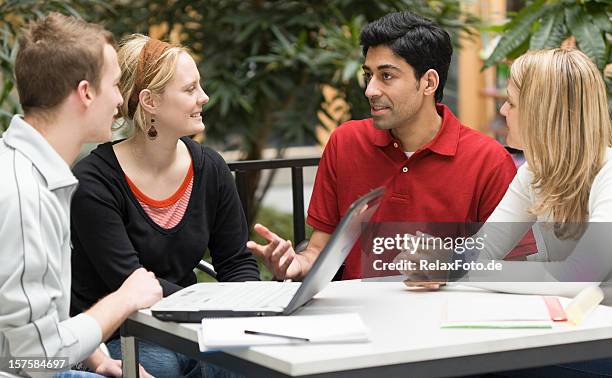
{"type": "Point", "coordinates": [249, 332]}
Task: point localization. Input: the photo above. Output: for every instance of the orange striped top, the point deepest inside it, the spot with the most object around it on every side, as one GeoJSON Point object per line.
{"type": "Point", "coordinates": [168, 212]}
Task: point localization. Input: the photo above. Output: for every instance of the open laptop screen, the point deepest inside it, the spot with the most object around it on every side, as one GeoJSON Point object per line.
{"type": "Point", "coordinates": [337, 249]}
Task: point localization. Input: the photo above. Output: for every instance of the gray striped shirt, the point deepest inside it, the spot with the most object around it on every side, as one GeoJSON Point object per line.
{"type": "Point", "coordinates": [36, 186]}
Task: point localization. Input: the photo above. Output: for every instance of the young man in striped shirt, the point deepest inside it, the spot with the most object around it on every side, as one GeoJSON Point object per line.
{"type": "Point", "coordinates": [66, 74]}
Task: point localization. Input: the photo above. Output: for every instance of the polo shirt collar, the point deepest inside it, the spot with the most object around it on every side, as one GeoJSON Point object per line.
{"type": "Point", "coordinates": [26, 139]}
{"type": "Point", "coordinates": [382, 138]}
{"type": "Point", "coordinates": [444, 143]}
{"type": "Point", "coordinates": [446, 140]}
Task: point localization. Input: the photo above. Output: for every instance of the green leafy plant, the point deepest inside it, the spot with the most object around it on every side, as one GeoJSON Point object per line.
{"type": "Point", "coordinates": [14, 15]}
{"type": "Point", "coordinates": [547, 23]}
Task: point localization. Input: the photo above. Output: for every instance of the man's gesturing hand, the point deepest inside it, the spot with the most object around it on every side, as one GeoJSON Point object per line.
{"type": "Point", "coordinates": [278, 254]}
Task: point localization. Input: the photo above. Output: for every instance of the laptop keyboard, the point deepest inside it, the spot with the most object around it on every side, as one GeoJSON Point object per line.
{"type": "Point", "coordinates": [255, 296]}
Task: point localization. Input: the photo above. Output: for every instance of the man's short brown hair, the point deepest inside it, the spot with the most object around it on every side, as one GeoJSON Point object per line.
{"type": "Point", "coordinates": [55, 54]}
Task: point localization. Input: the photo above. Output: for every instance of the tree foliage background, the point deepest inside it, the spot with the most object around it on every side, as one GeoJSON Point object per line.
{"type": "Point", "coordinates": [263, 63]}
{"type": "Point", "coordinates": [14, 15]}
{"type": "Point", "coordinates": [548, 23]}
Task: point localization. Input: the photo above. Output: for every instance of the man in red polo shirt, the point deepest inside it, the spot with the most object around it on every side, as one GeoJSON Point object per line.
{"type": "Point", "coordinates": [434, 168]}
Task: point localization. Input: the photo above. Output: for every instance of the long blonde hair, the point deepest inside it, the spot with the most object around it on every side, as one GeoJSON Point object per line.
{"type": "Point", "coordinates": [565, 128]}
{"type": "Point", "coordinates": [164, 69]}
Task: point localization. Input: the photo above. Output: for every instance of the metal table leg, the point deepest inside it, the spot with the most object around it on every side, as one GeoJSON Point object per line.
{"type": "Point", "coordinates": [129, 355]}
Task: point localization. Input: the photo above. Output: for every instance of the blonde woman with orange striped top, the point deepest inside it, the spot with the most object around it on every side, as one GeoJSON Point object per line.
{"type": "Point", "coordinates": [156, 199]}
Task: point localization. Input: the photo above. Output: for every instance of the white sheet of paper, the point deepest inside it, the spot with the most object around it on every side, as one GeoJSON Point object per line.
{"type": "Point", "coordinates": [503, 311]}
{"type": "Point", "coordinates": [332, 328]}
{"type": "Point", "coordinates": [502, 308]}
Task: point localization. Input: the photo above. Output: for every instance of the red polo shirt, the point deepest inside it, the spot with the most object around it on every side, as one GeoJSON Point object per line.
{"type": "Point", "coordinates": [460, 176]}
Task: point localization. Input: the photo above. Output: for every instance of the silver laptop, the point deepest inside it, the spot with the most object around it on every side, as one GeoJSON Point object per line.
{"type": "Point", "coordinates": [266, 298]}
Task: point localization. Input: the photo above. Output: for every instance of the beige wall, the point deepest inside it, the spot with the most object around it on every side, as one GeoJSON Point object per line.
{"type": "Point", "coordinates": [477, 109]}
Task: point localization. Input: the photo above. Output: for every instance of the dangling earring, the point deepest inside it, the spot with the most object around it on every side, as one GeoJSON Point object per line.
{"type": "Point", "coordinates": [152, 132]}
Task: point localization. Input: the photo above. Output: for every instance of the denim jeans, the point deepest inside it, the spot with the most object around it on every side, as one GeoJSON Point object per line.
{"type": "Point", "coordinates": [586, 369]}
{"type": "Point", "coordinates": [161, 362]}
{"type": "Point", "coordinates": [77, 374]}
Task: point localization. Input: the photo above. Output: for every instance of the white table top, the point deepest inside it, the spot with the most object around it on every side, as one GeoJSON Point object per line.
{"type": "Point", "coordinates": [405, 327]}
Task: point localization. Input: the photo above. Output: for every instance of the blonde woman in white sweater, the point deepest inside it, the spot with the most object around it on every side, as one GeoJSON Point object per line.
{"type": "Point", "coordinates": [557, 113]}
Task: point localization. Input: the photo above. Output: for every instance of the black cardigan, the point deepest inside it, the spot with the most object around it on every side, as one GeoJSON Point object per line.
{"type": "Point", "coordinates": [112, 236]}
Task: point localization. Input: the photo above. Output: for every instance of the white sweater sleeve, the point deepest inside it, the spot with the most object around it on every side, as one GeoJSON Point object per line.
{"type": "Point", "coordinates": [510, 220]}
{"type": "Point", "coordinates": [589, 262]}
